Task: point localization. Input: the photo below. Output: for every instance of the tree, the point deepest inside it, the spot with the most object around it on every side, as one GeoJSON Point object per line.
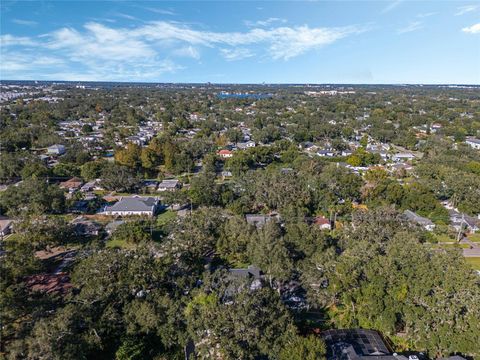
{"type": "Point", "coordinates": [251, 325]}
{"type": "Point", "coordinates": [303, 348]}
{"type": "Point", "coordinates": [129, 156]}
{"type": "Point", "coordinates": [118, 178]}
{"type": "Point", "coordinates": [33, 196]}
{"type": "Point", "coordinates": [269, 253]}
{"type": "Point", "coordinates": [133, 232]}
{"type": "Point", "coordinates": [149, 158]}
{"type": "Point", "coordinates": [203, 190]}
{"type": "Point", "coordinates": [92, 170]}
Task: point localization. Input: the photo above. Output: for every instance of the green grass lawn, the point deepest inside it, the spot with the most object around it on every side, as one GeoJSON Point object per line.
{"type": "Point", "coordinates": [474, 262]}
{"type": "Point", "coordinates": [166, 217]}
{"type": "Point", "coordinates": [459, 246]}
{"type": "Point", "coordinates": [122, 244]}
{"type": "Point", "coordinates": [443, 238]}
{"type": "Point", "coordinates": [474, 237]}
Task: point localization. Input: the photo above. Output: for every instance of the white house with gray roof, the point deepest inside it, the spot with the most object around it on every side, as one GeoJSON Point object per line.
{"type": "Point", "coordinates": [473, 142]}
{"type": "Point", "coordinates": [56, 149]}
{"type": "Point", "coordinates": [427, 224]}
{"type": "Point", "coordinates": [135, 205]}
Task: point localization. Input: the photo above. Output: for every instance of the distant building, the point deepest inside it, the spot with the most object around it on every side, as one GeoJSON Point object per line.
{"type": "Point", "coordinates": [403, 156]}
{"type": "Point", "coordinates": [168, 185]}
{"type": "Point", "coordinates": [357, 344]}
{"type": "Point", "coordinates": [72, 184]}
{"type": "Point", "coordinates": [322, 222]}
{"type": "Point", "coordinates": [326, 153]}
{"type": "Point", "coordinates": [463, 222]}
{"type": "Point", "coordinates": [135, 205]}
{"type": "Point", "coordinates": [56, 149]}
{"type": "Point", "coordinates": [85, 227]}
{"type": "Point", "coordinates": [5, 226]}
{"type": "Point", "coordinates": [473, 142]}
{"type": "Point", "coordinates": [246, 145]}
{"type": "Point", "coordinates": [225, 153]}
{"type": "Point", "coordinates": [226, 174]}
{"type": "Point", "coordinates": [258, 220]}
{"type": "Point", "coordinates": [89, 186]}
{"type": "Point", "coordinates": [419, 220]}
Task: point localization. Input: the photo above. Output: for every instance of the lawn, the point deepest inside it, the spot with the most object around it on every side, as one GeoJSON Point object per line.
{"type": "Point", "coordinates": [166, 217]}
{"type": "Point", "coordinates": [474, 262]}
{"type": "Point", "coordinates": [122, 244]}
{"type": "Point", "coordinates": [474, 237]}
{"type": "Point", "coordinates": [443, 238]}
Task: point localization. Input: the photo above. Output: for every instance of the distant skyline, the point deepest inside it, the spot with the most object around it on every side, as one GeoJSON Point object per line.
{"type": "Point", "coordinates": [361, 42]}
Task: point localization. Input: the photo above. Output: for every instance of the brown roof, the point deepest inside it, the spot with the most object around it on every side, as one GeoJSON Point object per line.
{"type": "Point", "coordinates": [71, 183]}
{"type": "Point", "coordinates": [320, 220]}
{"type": "Point", "coordinates": [49, 283]}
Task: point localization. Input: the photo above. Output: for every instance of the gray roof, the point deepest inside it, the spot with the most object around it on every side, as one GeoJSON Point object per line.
{"type": "Point", "coordinates": [353, 344]}
{"type": "Point", "coordinates": [169, 183]}
{"type": "Point", "coordinates": [133, 204]}
{"type": "Point", "coordinates": [473, 140]}
{"type": "Point", "coordinates": [257, 219]}
{"type": "Point", "coordinates": [251, 272]}
{"type": "Point", "coordinates": [410, 215]}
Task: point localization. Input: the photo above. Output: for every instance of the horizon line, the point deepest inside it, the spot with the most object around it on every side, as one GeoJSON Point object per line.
{"type": "Point", "coordinates": [244, 83]}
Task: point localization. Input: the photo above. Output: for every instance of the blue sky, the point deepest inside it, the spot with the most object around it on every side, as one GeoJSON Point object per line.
{"type": "Point", "coordinates": [242, 42]}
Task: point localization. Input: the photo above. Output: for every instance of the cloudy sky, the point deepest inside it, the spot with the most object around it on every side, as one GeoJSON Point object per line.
{"type": "Point", "coordinates": [246, 42]}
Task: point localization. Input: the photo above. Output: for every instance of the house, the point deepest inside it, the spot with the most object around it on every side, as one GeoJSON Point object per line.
{"type": "Point", "coordinates": [72, 184]}
{"type": "Point", "coordinates": [5, 226]}
{"type": "Point", "coordinates": [240, 278]}
{"type": "Point", "coordinates": [324, 153]}
{"type": "Point", "coordinates": [85, 227]}
{"type": "Point", "coordinates": [473, 142]}
{"type": "Point", "coordinates": [419, 220]}
{"type": "Point", "coordinates": [89, 186]}
{"type": "Point", "coordinates": [403, 156]}
{"type": "Point", "coordinates": [252, 272]}
{"type": "Point", "coordinates": [225, 153]}
{"type": "Point", "coordinates": [134, 205]}
{"type": "Point", "coordinates": [258, 220]}
{"type": "Point", "coordinates": [246, 145]}
{"type": "Point", "coordinates": [226, 174]}
{"type": "Point", "coordinates": [322, 222]}
{"type": "Point", "coordinates": [56, 149]}
{"type": "Point", "coordinates": [169, 185]}
{"type": "Point", "coordinates": [463, 222]}
{"type": "Point", "coordinates": [357, 344]}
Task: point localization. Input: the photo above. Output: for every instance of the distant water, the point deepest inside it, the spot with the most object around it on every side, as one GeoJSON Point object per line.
{"type": "Point", "coordinates": [243, 96]}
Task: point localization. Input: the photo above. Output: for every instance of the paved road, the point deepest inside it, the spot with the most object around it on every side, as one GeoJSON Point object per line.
{"type": "Point", "coordinates": [475, 252]}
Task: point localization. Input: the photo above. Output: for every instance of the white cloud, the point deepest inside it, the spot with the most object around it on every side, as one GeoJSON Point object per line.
{"type": "Point", "coordinates": [466, 9]}
{"type": "Point", "coordinates": [144, 52]}
{"type": "Point", "coordinates": [10, 40]}
{"type": "Point", "coordinates": [412, 26]}
{"type": "Point", "coordinates": [266, 22]}
{"type": "Point", "coordinates": [187, 51]}
{"type": "Point", "coordinates": [24, 22]}
{"type": "Point", "coordinates": [424, 15]}
{"type": "Point", "coordinates": [159, 11]}
{"type": "Point", "coordinates": [391, 6]}
{"type": "Point", "coordinates": [236, 54]}
{"type": "Point", "coordinates": [281, 42]}
{"type": "Point", "coordinates": [474, 29]}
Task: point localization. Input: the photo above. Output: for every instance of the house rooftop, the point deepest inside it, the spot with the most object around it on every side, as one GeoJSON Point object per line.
{"type": "Point", "coordinates": [353, 344]}
{"type": "Point", "coordinates": [133, 204]}
{"type": "Point", "coordinates": [169, 183]}
{"type": "Point", "coordinates": [410, 215]}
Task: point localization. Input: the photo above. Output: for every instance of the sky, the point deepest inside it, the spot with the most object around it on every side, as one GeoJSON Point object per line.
{"type": "Point", "coordinates": [349, 42]}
